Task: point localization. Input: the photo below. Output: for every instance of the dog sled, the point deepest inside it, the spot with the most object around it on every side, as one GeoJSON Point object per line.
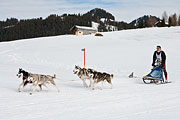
{"type": "Point", "coordinates": [155, 76]}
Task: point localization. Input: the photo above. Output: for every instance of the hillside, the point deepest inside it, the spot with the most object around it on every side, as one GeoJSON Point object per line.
{"type": "Point", "coordinates": [145, 21]}
{"type": "Point", "coordinates": [120, 53]}
{"type": "Point", "coordinates": [14, 29]}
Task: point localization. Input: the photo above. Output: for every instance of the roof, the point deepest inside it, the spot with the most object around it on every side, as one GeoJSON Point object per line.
{"type": "Point", "coordinates": [83, 28]}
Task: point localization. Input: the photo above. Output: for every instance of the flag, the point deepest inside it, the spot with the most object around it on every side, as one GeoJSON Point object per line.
{"type": "Point", "coordinates": [83, 49]}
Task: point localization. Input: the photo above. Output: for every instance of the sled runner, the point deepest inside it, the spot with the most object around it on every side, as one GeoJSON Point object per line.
{"type": "Point", "coordinates": [155, 76]}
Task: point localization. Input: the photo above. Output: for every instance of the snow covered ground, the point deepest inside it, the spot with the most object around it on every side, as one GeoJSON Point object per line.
{"type": "Point", "coordinates": [119, 53]}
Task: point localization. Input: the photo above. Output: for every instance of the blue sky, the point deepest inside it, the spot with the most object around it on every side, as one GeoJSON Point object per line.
{"type": "Point", "coordinates": [100, 2]}
{"type": "Point", "coordinates": [123, 10]}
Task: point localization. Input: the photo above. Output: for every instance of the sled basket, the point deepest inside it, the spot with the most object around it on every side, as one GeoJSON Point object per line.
{"type": "Point", "coordinates": [155, 75]}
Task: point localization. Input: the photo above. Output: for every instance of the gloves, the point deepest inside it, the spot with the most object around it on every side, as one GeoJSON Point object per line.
{"type": "Point", "coordinates": [153, 65]}
{"type": "Point", "coordinates": [163, 66]}
{"type": "Point", "coordinates": [152, 68]}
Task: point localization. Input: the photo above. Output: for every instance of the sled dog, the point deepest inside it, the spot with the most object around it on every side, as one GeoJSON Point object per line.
{"type": "Point", "coordinates": [92, 75]}
{"type": "Point", "coordinates": [97, 77]}
{"type": "Point", "coordinates": [35, 80]}
{"type": "Point", "coordinates": [24, 75]}
{"type": "Point", "coordinates": [82, 73]}
{"type": "Point", "coordinates": [38, 79]}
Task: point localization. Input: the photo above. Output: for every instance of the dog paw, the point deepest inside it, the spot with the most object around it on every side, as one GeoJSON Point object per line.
{"type": "Point", "coordinates": [19, 90]}
{"type": "Point", "coordinates": [86, 86]}
{"type": "Point", "coordinates": [39, 90]}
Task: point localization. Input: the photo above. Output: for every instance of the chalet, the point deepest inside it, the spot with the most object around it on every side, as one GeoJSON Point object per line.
{"type": "Point", "coordinates": [82, 30]}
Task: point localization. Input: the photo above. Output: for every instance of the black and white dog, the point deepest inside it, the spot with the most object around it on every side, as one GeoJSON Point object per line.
{"type": "Point", "coordinates": [100, 77]}
{"type": "Point", "coordinates": [82, 73]}
{"type": "Point", "coordinates": [38, 79]}
{"type": "Point", "coordinates": [25, 79]}
{"type": "Point", "coordinates": [35, 80]}
{"type": "Point", "coordinates": [92, 75]}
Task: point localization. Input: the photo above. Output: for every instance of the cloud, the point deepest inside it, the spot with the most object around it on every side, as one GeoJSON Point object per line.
{"type": "Point", "coordinates": [123, 10]}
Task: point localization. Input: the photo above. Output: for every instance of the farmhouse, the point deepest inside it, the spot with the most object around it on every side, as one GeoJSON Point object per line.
{"type": "Point", "coordinates": [82, 30]}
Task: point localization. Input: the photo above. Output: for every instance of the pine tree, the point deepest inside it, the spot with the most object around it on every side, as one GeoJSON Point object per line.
{"type": "Point", "coordinates": [165, 16]}
{"type": "Point", "coordinates": [163, 24]}
{"type": "Point", "coordinates": [170, 21]}
{"type": "Point", "coordinates": [174, 19]}
{"type": "Point", "coordinates": [179, 21]}
{"type": "Point", "coordinates": [141, 24]}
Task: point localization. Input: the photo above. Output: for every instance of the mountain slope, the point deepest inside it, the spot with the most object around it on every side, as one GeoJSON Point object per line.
{"type": "Point", "coordinates": [145, 21]}
{"type": "Point", "coordinates": [98, 13]}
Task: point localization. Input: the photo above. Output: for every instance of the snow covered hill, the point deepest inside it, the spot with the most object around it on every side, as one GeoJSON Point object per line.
{"type": "Point", "coordinates": [119, 53]}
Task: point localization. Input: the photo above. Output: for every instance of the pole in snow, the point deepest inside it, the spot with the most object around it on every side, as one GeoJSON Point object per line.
{"type": "Point", "coordinates": [84, 57]}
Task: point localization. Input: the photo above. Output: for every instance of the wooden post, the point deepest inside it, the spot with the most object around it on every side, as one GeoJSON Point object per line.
{"type": "Point", "coordinates": [84, 57]}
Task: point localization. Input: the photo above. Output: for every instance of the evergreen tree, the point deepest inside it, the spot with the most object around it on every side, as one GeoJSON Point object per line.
{"type": "Point", "coordinates": [170, 21]}
{"type": "Point", "coordinates": [165, 17]}
{"type": "Point", "coordinates": [163, 24]}
{"type": "Point", "coordinates": [141, 23]}
{"type": "Point", "coordinates": [174, 19]}
{"type": "Point", "coordinates": [179, 21]}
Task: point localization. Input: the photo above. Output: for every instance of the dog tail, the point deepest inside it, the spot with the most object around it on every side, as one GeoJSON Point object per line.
{"type": "Point", "coordinates": [112, 76]}
{"type": "Point", "coordinates": [54, 77]}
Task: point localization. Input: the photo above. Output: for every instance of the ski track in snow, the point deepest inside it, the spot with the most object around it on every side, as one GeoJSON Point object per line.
{"type": "Point", "coordinates": [119, 53]}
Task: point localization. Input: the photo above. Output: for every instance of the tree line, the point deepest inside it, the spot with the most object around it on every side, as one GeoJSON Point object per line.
{"type": "Point", "coordinates": [14, 29]}
{"type": "Point", "coordinates": [172, 20]}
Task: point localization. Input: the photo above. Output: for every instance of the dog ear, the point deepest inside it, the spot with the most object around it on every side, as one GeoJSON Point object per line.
{"type": "Point", "coordinates": [77, 67]}
{"type": "Point", "coordinates": [55, 76]}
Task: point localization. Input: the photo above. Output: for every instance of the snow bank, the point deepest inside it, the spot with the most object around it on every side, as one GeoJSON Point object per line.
{"type": "Point", "coordinates": [119, 53]}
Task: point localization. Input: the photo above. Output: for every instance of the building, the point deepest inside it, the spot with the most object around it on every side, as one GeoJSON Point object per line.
{"type": "Point", "coordinates": [82, 30]}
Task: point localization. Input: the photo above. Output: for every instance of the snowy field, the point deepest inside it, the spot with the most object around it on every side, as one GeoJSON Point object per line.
{"type": "Point", "coordinates": [119, 53]}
